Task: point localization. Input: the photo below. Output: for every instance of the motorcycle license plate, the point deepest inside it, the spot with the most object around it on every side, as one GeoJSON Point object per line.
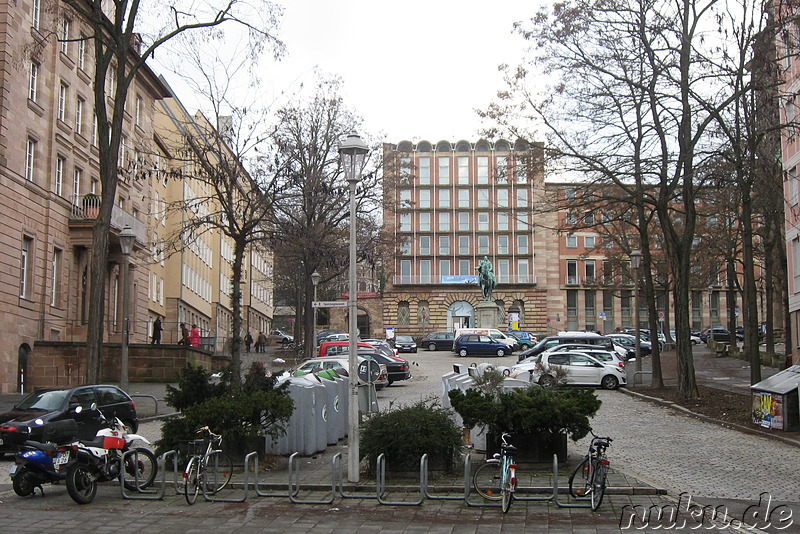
{"type": "Point", "coordinates": [61, 459]}
{"type": "Point", "coordinates": [12, 470]}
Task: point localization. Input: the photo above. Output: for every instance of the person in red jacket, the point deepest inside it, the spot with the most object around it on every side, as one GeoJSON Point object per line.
{"type": "Point", "coordinates": [194, 336]}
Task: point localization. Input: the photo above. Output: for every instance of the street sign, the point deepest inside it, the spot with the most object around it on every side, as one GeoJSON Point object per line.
{"type": "Point", "coordinates": [368, 371]}
{"type": "Point", "coordinates": [329, 304]}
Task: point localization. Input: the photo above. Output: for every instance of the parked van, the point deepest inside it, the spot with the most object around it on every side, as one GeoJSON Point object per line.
{"type": "Point", "coordinates": [584, 338]}
{"type": "Point", "coordinates": [493, 333]}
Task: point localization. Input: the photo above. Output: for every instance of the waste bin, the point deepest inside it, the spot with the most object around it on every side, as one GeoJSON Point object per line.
{"type": "Point", "coordinates": [775, 401]}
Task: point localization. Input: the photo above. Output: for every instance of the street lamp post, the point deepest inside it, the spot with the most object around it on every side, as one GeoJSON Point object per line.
{"type": "Point", "coordinates": [126, 239]}
{"type": "Point", "coordinates": [315, 278]}
{"type": "Point", "coordinates": [636, 261]}
{"type": "Point", "coordinates": [353, 152]}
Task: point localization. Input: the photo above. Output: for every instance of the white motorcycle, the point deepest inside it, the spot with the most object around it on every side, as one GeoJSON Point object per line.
{"type": "Point", "coordinates": [101, 461]}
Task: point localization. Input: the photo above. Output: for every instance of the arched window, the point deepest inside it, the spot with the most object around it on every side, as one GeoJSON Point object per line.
{"type": "Point", "coordinates": [424, 313]}
{"type": "Point", "coordinates": [521, 306]}
{"type": "Point", "coordinates": [501, 311]}
{"type": "Point", "coordinates": [403, 313]}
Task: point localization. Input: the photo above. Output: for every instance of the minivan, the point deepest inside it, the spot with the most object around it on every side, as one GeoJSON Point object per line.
{"type": "Point", "coordinates": [585, 338]}
{"type": "Point", "coordinates": [493, 333]}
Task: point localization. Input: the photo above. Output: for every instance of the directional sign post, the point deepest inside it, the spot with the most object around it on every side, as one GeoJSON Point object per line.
{"type": "Point", "coordinates": [329, 304]}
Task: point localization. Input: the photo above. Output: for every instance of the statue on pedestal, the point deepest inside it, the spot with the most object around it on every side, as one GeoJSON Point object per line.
{"type": "Point", "coordinates": [486, 279]}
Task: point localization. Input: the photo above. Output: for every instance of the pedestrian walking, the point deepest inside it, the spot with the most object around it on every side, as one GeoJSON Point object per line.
{"type": "Point", "coordinates": [248, 340]}
{"type": "Point", "coordinates": [261, 344]}
{"type": "Point", "coordinates": [184, 340]}
{"type": "Point", "coordinates": [157, 331]}
{"type": "Point", "coordinates": [194, 336]}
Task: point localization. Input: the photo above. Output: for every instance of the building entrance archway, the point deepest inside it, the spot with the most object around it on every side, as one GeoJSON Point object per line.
{"type": "Point", "coordinates": [460, 314]}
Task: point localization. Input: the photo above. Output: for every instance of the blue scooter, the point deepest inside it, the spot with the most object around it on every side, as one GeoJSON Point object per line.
{"type": "Point", "coordinates": [39, 463]}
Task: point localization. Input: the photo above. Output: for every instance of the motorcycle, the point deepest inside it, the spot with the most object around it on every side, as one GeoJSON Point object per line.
{"type": "Point", "coordinates": [39, 463]}
{"type": "Point", "coordinates": [101, 460]}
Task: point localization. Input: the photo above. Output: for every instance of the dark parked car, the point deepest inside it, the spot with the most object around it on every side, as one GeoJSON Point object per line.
{"type": "Point", "coordinates": [397, 368]}
{"type": "Point", "coordinates": [438, 341]}
{"type": "Point", "coordinates": [326, 333]}
{"type": "Point", "coordinates": [26, 419]}
{"type": "Point", "coordinates": [629, 343]}
{"type": "Point", "coordinates": [525, 339]}
{"type": "Point", "coordinates": [405, 344]}
{"type": "Point", "coordinates": [470, 344]}
{"type": "Point", "coordinates": [718, 333]}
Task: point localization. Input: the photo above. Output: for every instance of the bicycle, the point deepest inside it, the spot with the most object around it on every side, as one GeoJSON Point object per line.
{"type": "Point", "coordinates": [209, 468]}
{"type": "Point", "coordinates": [496, 479]}
{"type": "Point", "coordinates": [591, 472]}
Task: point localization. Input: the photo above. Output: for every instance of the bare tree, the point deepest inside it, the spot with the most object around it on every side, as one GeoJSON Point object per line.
{"type": "Point", "coordinates": [115, 28]}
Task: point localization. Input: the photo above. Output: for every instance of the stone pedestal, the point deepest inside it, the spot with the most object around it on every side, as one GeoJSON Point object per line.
{"type": "Point", "coordinates": [486, 315]}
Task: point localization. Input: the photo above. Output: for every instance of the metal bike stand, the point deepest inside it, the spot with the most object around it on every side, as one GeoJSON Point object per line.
{"type": "Point", "coordinates": [380, 484]}
{"type": "Point", "coordinates": [294, 483]}
{"type": "Point", "coordinates": [555, 490]}
{"type": "Point", "coordinates": [177, 475]}
{"type": "Point", "coordinates": [432, 497]}
{"type": "Point", "coordinates": [468, 488]}
{"type": "Point", "coordinates": [338, 471]}
{"type": "Point", "coordinates": [141, 494]}
{"type": "Point", "coordinates": [210, 496]}
{"type": "Point", "coordinates": [257, 483]}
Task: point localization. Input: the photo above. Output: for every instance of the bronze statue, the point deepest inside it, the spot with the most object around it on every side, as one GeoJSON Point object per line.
{"type": "Point", "coordinates": [486, 279]}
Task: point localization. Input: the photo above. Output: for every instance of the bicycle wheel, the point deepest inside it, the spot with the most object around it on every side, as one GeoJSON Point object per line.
{"type": "Point", "coordinates": [598, 485]}
{"type": "Point", "coordinates": [579, 482]}
{"type": "Point", "coordinates": [143, 465]}
{"type": "Point", "coordinates": [217, 472]}
{"type": "Point", "coordinates": [192, 480]}
{"type": "Point", "coordinates": [487, 479]}
{"type": "Point", "coordinates": [506, 493]}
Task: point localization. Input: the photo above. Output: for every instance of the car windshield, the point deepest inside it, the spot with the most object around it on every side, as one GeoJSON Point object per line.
{"type": "Point", "coordinates": [405, 339]}
{"type": "Point", "coordinates": [44, 400]}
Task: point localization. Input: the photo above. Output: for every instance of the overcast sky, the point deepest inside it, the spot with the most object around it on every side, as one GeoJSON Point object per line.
{"type": "Point", "coordinates": [413, 69]}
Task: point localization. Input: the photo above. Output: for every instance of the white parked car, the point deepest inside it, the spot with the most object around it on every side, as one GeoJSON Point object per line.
{"type": "Point", "coordinates": [581, 370]}
{"type": "Point", "coordinates": [340, 365]}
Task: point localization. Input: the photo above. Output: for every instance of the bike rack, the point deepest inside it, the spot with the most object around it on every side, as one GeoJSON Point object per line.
{"type": "Point", "coordinates": [339, 478]}
{"type": "Point", "coordinates": [380, 484]}
{"type": "Point", "coordinates": [257, 483]}
{"type": "Point", "coordinates": [555, 490]}
{"type": "Point", "coordinates": [294, 482]}
{"type": "Point", "coordinates": [142, 494]}
{"type": "Point", "coordinates": [210, 496]}
{"type": "Point", "coordinates": [467, 486]}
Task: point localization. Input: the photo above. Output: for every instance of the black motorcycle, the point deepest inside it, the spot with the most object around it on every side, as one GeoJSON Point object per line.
{"type": "Point", "coordinates": [39, 463]}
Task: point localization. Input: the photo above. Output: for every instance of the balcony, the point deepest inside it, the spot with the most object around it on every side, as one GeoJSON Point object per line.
{"type": "Point", "coordinates": [83, 217]}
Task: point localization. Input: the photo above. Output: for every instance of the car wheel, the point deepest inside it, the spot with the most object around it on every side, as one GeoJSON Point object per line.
{"type": "Point", "coordinates": [500, 353]}
{"type": "Point", "coordinates": [609, 382]}
{"type": "Point", "coordinates": [432, 346]}
{"type": "Point", "coordinates": [547, 381]}
{"type": "Point", "coordinates": [462, 353]}
{"type": "Point", "coordinates": [131, 426]}
{"type": "Point", "coordinates": [390, 382]}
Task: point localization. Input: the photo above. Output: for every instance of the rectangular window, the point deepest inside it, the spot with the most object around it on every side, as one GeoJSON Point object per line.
{"type": "Point", "coordinates": [483, 221]}
{"type": "Point", "coordinates": [502, 170]}
{"type": "Point", "coordinates": [36, 13]}
{"type": "Point", "coordinates": [794, 190]}
{"type": "Point", "coordinates": [444, 198]}
{"type": "Point", "coordinates": [502, 198]}
{"type": "Point", "coordinates": [572, 241]}
{"type": "Point", "coordinates": [463, 244]}
{"type": "Point", "coordinates": [65, 37]}
{"type": "Point", "coordinates": [405, 198]}
{"type": "Point", "coordinates": [522, 221]}
{"type": "Point", "coordinates": [572, 273]}
{"type": "Point", "coordinates": [463, 198]}
{"type": "Point", "coordinates": [425, 271]}
{"type": "Point", "coordinates": [425, 170]}
{"type": "Point", "coordinates": [62, 102]}
{"type": "Point", "coordinates": [444, 170]}
{"type": "Point", "coordinates": [502, 271]}
{"type": "Point", "coordinates": [463, 170]}
{"type": "Point", "coordinates": [463, 221]}
{"type": "Point", "coordinates": [82, 52]}
{"type": "Point", "coordinates": [425, 222]}
{"type": "Point", "coordinates": [405, 271]}
{"type": "Point", "coordinates": [25, 266]}
{"type": "Point", "coordinates": [464, 267]}
{"type": "Point", "coordinates": [405, 245]}
{"type": "Point", "coordinates": [58, 183]}
{"type": "Point", "coordinates": [76, 185]}
{"type": "Point", "coordinates": [483, 198]}
{"type": "Point", "coordinates": [444, 267]}
{"type": "Point", "coordinates": [608, 304]}
{"type": "Point", "coordinates": [55, 295]}
{"type": "Point", "coordinates": [590, 271]}
{"type": "Point", "coordinates": [405, 222]}
{"type": "Point", "coordinates": [523, 271]}
{"type": "Point", "coordinates": [522, 244]}
{"type": "Point", "coordinates": [608, 273]}
{"type": "Point", "coordinates": [522, 198]}
{"type": "Point", "coordinates": [444, 245]}
{"type": "Point", "coordinates": [589, 304]}
{"type": "Point", "coordinates": [33, 81]}
{"type": "Point", "coordinates": [572, 302]}
{"type": "Point", "coordinates": [502, 221]}
{"type": "Point", "coordinates": [483, 244]}
{"type": "Point", "coordinates": [94, 130]}
{"type": "Point", "coordinates": [138, 110]}
{"type": "Point", "coordinates": [483, 170]}
{"type": "Point", "coordinates": [522, 171]}
{"type": "Point", "coordinates": [30, 160]}
{"type": "Point", "coordinates": [444, 222]}
{"type": "Point", "coordinates": [796, 263]}
{"type": "Point", "coordinates": [424, 198]}
{"type": "Point", "coordinates": [405, 170]}
{"type": "Point", "coordinates": [425, 245]}
{"type": "Point", "coordinates": [79, 116]}
{"type": "Point", "coordinates": [589, 241]}
{"type": "Point", "coordinates": [502, 244]}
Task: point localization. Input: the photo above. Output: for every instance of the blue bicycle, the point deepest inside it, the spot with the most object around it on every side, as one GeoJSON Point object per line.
{"type": "Point", "coordinates": [496, 479]}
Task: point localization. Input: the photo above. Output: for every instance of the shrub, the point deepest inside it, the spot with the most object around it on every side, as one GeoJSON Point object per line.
{"type": "Point", "coordinates": [533, 409]}
{"type": "Point", "coordinates": [406, 433]}
{"type": "Point", "coordinates": [194, 387]}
